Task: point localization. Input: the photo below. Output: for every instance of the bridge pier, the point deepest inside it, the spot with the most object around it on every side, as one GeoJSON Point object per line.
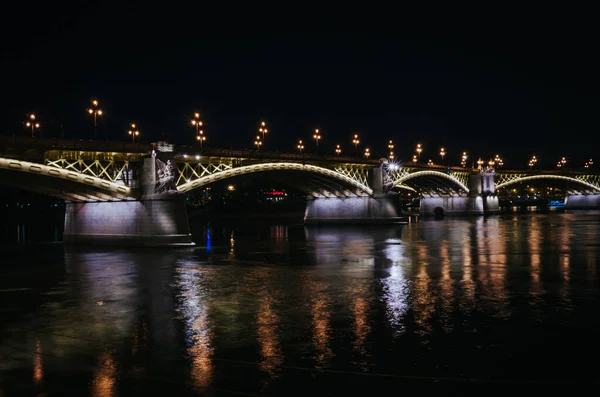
{"type": "Point", "coordinates": [157, 218]}
{"type": "Point", "coordinates": [352, 210]}
{"type": "Point", "coordinates": [381, 207]}
{"type": "Point", "coordinates": [582, 201]}
{"type": "Point", "coordinates": [481, 200]}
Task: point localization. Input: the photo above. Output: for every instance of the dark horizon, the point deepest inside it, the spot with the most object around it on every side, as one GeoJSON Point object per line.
{"type": "Point", "coordinates": [516, 91]}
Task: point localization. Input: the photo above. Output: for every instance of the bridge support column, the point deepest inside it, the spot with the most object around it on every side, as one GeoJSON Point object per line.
{"type": "Point", "coordinates": [152, 220]}
{"type": "Point", "coordinates": [482, 199]}
{"type": "Point", "coordinates": [582, 201]}
{"type": "Point", "coordinates": [352, 210]}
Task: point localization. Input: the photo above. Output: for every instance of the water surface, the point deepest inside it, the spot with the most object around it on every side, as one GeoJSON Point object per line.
{"type": "Point", "coordinates": [452, 306]}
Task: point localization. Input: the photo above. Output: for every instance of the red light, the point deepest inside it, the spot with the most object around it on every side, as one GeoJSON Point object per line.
{"type": "Point", "coordinates": [276, 193]}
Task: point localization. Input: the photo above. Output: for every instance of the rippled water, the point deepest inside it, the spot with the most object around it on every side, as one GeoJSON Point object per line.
{"type": "Point", "coordinates": [502, 303]}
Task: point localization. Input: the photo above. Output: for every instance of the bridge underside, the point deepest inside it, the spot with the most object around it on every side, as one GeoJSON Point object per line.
{"type": "Point", "coordinates": [431, 186]}
{"type": "Point", "coordinates": [57, 187]}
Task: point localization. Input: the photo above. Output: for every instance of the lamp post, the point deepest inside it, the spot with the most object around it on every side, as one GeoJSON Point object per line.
{"type": "Point", "coordinates": [442, 153]}
{"type": "Point", "coordinates": [391, 147]}
{"type": "Point", "coordinates": [367, 153]}
{"type": "Point", "coordinates": [498, 162]}
{"type": "Point", "coordinates": [300, 146]}
{"type": "Point", "coordinates": [464, 158]}
{"type": "Point", "coordinates": [430, 162]}
{"type": "Point", "coordinates": [355, 141]}
{"type": "Point", "coordinates": [479, 163]}
{"type": "Point", "coordinates": [196, 122]}
{"type": "Point", "coordinates": [562, 162]}
{"type": "Point", "coordinates": [134, 132]}
{"type": "Point", "coordinates": [338, 150]}
{"type": "Point", "coordinates": [317, 136]}
{"type": "Point", "coordinates": [533, 161]}
{"type": "Point", "coordinates": [263, 129]}
{"type": "Point", "coordinates": [32, 124]}
{"type": "Point", "coordinates": [95, 111]}
{"type": "Point", "coordinates": [257, 142]}
{"type": "Point", "coordinates": [414, 158]}
{"type": "Point", "coordinates": [419, 149]}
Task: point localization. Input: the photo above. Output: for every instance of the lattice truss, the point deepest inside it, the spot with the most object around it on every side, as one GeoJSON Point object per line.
{"type": "Point", "coordinates": [187, 172]}
{"type": "Point", "coordinates": [398, 177]}
{"type": "Point", "coordinates": [578, 183]}
{"type": "Point", "coordinates": [358, 172]}
{"type": "Point", "coordinates": [105, 168]}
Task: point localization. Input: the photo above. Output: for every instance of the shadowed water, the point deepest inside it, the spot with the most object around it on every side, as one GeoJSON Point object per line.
{"type": "Point", "coordinates": [452, 306]}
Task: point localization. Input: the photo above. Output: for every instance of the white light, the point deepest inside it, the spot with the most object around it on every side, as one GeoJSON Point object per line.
{"type": "Point", "coordinates": [185, 156]}
{"type": "Point", "coordinates": [197, 157]}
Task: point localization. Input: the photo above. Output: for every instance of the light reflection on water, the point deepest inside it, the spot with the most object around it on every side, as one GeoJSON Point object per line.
{"type": "Point", "coordinates": [259, 305]}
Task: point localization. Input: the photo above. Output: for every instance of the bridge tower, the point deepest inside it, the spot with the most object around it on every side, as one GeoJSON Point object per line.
{"type": "Point", "coordinates": [157, 217]}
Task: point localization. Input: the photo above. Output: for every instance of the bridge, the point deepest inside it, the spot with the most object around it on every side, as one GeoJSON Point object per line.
{"type": "Point", "coordinates": [133, 193]}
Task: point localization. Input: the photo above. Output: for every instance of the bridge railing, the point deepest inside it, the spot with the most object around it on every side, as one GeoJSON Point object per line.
{"type": "Point", "coordinates": [74, 144]}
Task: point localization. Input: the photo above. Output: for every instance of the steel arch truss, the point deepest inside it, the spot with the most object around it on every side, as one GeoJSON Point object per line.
{"type": "Point", "coordinates": [457, 180]}
{"type": "Point", "coordinates": [101, 189]}
{"type": "Point", "coordinates": [109, 170]}
{"type": "Point", "coordinates": [189, 172]}
{"type": "Point", "coordinates": [590, 181]}
{"type": "Point", "coordinates": [356, 172]}
{"type": "Point", "coordinates": [222, 172]}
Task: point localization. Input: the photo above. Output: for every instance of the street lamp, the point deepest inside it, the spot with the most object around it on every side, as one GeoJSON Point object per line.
{"type": "Point", "coordinates": [414, 158]}
{"type": "Point", "coordinates": [561, 162]}
{"type": "Point", "coordinates": [32, 123]}
{"type": "Point", "coordinates": [196, 122]}
{"type": "Point", "coordinates": [589, 163]}
{"type": "Point", "coordinates": [263, 129]}
{"type": "Point", "coordinates": [95, 111]}
{"type": "Point", "coordinates": [257, 142]}
{"type": "Point", "coordinates": [498, 162]}
{"type": "Point", "coordinates": [533, 161]}
{"type": "Point", "coordinates": [300, 146]}
{"type": "Point", "coordinates": [479, 163]}
{"type": "Point", "coordinates": [442, 153]}
{"type": "Point", "coordinates": [355, 141]}
{"type": "Point", "coordinates": [317, 136]}
{"type": "Point", "coordinates": [391, 147]}
{"type": "Point", "coordinates": [463, 160]}
{"type": "Point", "coordinates": [338, 149]}
{"type": "Point", "coordinates": [419, 149]}
{"type": "Point", "coordinates": [429, 162]}
{"type": "Point", "coordinates": [133, 132]}
{"type": "Point", "coordinates": [367, 153]}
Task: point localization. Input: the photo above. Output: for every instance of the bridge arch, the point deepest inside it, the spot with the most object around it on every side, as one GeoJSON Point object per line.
{"type": "Point", "coordinates": [400, 181]}
{"type": "Point", "coordinates": [559, 177]}
{"type": "Point", "coordinates": [71, 185]}
{"type": "Point", "coordinates": [243, 170]}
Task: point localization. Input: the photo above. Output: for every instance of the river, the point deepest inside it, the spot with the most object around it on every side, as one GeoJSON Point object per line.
{"type": "Point", "coordinates": [504, 303]}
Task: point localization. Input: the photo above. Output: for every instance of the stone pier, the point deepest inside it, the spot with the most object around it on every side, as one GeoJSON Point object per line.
{"type": "Point", "coordinates": [157, 218]}
{"type": "Point", "coordinates": [582, 201]}
{"type": "Point", "coordinates": [481, 200]}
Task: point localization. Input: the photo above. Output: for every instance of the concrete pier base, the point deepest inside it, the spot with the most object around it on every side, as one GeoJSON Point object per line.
{"type": "Point", "coordinates": [352, 210]}
{"type": "Point", "coordinates": [456, 205]}
{"type": "Point", "coordinates": [158, 222]}
{"type": "Point", "coordinates": [582, 201]}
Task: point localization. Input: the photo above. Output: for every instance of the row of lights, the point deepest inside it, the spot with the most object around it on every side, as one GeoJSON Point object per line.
{"type": "Point", "coordinates": [258, 142]}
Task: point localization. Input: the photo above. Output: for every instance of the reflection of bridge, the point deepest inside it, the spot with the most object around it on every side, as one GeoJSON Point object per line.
{"type": "Point", "coordinates": [132, 192]}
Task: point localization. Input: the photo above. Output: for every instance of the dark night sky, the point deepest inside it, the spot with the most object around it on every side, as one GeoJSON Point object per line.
{"type": "Point", "coordinates": [517, 86]}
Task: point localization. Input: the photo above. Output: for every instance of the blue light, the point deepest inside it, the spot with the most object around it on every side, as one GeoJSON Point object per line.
{"type": "Point", "coordinates": [208, 241]}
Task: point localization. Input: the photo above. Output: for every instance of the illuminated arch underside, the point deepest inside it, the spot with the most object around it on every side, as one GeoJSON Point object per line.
{"type": "Point", "coordinates": [217, 176]}
{"type": "Point", "coordinates": [559, 177]}
{"type": "Point", "coordinates": [91, 188]}
{"type": "Point", "coordinates": [399, 183]}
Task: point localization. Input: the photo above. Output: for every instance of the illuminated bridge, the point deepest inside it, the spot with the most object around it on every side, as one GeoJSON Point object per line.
{"type": "Point", "coordinates": [133, 193]}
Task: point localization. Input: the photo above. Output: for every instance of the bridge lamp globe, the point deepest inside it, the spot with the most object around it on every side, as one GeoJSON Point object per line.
{"type": "Point", "coordinates": [442, 153]}
{"type": "Point", "coordinates": [317, 136]}
{"type": "Point", "coordinates": [338, 149]}
{"type": "Point", "coordinates": [300, 146]}
{"type": "Point", "coordinates": [414, 159]}
{"type": "Point", "coordinates": [367, 153]}
{"type": "Point", "coordinates": [419, 149]}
